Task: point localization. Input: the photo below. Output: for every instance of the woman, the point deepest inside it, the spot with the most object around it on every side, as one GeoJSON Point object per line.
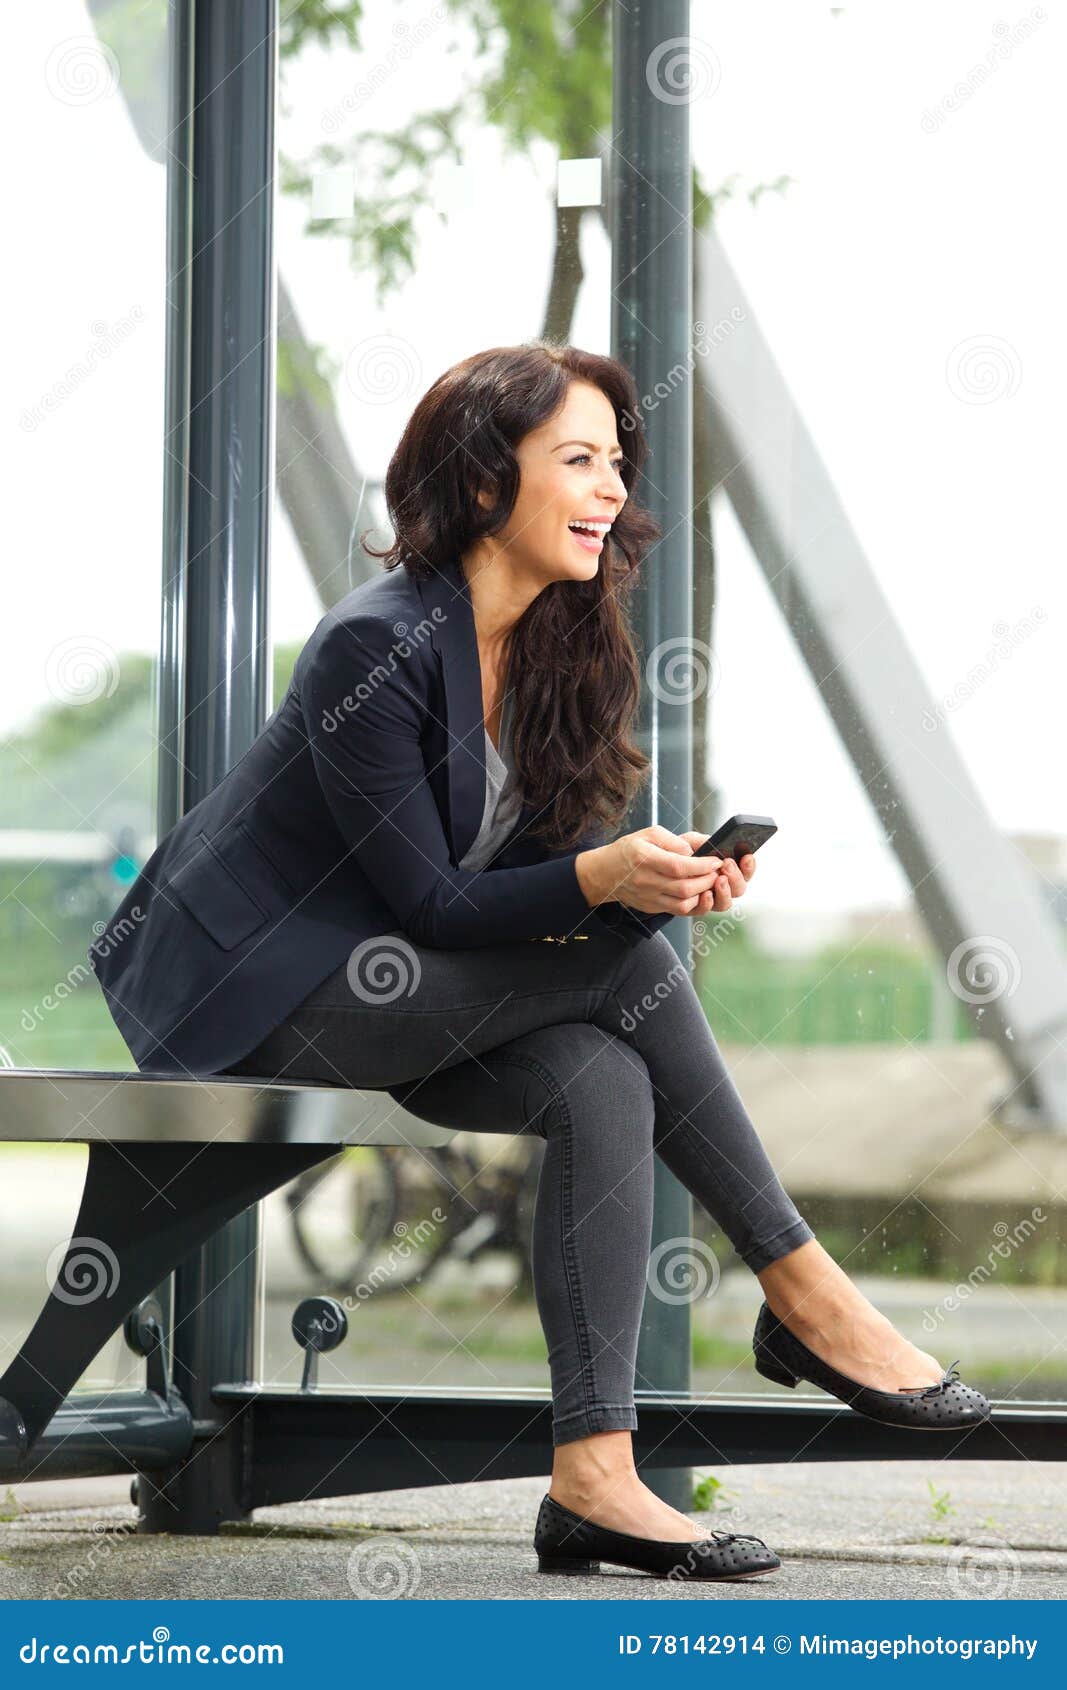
{"type": "Point", "coordinates": [366, 896]}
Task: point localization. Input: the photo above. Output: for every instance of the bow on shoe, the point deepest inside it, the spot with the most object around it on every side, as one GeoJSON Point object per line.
{"type": "Point", "coordinates": [949, 1377]}
{"type": "Point", "coordinates": [736, 1537]}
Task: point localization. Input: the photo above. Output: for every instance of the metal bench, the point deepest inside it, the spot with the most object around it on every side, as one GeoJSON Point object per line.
{"type": "Point", "coordinates": [203, 1151]}
{"type": "Point", "coordinates": [171, 1160]}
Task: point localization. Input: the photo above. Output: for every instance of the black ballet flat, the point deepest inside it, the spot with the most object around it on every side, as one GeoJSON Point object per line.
{"type": "Point", "coordinates": [943, 1407]}
{"type": "Point", "coordinates": [567, 1543]}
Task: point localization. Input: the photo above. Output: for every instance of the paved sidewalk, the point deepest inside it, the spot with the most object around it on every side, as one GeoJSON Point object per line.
{"type": "Point", "coordinates": [845, 1530]}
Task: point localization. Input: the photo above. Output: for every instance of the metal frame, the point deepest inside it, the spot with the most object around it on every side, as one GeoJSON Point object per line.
{"type": "Point", "coordinates": [650, 206]}
{"type": "Point", "coordinates": [215, 653]}
{"type": "Point", "coordinates": [208, 1445]}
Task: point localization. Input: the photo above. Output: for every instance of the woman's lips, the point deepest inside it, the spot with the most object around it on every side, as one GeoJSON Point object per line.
{"type": "Point", "coordinates": [591, 542]}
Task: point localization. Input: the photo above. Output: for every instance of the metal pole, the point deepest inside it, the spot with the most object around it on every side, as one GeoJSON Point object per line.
{"type": "Point", "coordinates": [214, 649]}
{"type": "Point", "coordinates": [651, 200]}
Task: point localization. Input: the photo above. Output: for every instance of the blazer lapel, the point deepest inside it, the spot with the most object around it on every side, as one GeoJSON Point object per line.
{"type": "Point", "coordinates": [446, 598]}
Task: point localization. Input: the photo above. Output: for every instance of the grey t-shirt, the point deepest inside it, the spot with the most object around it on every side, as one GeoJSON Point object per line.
{"type": "Point", "coordinates": [503, 797]}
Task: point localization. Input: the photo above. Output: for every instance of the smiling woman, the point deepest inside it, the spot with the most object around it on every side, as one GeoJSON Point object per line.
{"type": "Point", "coordinates": [502, 457]}
{"type": "Point", "coordinates": [350, 906]}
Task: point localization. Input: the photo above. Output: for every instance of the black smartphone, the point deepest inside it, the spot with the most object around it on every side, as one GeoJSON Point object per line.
{"type": "Point", "coordinates": [737, 837]}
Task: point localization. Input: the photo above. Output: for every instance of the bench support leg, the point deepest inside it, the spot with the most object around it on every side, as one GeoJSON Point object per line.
{"type": "Point", "coordinates": [144, 1209]}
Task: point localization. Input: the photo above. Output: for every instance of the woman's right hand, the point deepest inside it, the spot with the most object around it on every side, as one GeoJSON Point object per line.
{"type": "Point", "coordinates": [647, 871]}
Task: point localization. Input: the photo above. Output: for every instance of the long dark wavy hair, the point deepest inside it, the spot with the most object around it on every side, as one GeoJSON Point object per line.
{"type": "Point", "coordinates": [573, 666]}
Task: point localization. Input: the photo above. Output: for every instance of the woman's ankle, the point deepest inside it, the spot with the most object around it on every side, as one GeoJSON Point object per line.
{"type": "Point", "coordinates": [807, 1287]}
{"type": "Point", "coordinates": [591, 1466]}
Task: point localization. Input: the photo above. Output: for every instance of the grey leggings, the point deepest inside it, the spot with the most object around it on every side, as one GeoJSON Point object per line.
{"type": "Point", "coordinates": [600, 1046]}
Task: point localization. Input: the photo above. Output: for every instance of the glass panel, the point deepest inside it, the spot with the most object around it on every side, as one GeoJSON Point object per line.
{"type": "Point", "coordinates": [889, 234]}
{"type": "Point", "coordinates": [418, 221]}
{"type": "Point", "coordinates": [882, 198]}
{"type": "Point", "coordinates": [78, 758]}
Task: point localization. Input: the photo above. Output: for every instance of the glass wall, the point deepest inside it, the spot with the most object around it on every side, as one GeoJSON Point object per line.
{"type": "Point", "coordinates": [85, 362]}
{"type": "Point", "coordinates": [883, 196]}
{"type": "Point", "coordinates": [417, 222]}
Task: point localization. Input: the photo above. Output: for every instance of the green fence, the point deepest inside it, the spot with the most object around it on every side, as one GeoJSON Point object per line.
{"type": "Point", "coordinates": [828, 999]}
{"type": "Point", "coordinates": [52, 1014]}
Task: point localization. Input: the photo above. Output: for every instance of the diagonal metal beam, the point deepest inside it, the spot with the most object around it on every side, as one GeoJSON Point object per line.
{"type": "Point", "coordinates": [977, 894]}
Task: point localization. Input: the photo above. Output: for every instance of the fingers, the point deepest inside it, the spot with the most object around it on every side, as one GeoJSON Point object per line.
{"type": "Point", "coordinates": [728, 885]}
{"type": "Point", "coordinates": [679, 865]}
{"type": "Point", "coordinates": [695, 887]}
{"type": "Point", "coordinates": [682, 843]}
{"type": "Point", "coordinates": [734, 876]}
{"type": "Point", "coordinates": [702, 904]}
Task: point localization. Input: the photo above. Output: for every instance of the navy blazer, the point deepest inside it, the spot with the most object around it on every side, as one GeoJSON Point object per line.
{"type": "Point", "coordinates": [345, 819]}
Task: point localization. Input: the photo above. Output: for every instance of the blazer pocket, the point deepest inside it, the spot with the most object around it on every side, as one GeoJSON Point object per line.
{"type": "Point", "coordinates": [214, 895]}
{"type": "Point", "coordinates": [264, 850]}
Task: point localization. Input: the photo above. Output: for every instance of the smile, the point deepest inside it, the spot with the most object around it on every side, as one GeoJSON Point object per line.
{"type": "Point", "coordinates": [590, 535]}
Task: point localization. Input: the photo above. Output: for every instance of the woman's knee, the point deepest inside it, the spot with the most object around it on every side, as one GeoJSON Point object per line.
{"type": "Point", "coordinates": [657, 977]}
{"type": "Point", "coordinates": [584, 1075]}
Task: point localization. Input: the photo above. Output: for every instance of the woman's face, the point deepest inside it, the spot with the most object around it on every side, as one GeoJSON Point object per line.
{"type": "Point", "coordinates": [569, 472]}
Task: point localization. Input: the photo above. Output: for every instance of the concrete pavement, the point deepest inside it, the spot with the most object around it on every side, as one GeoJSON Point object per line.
{"type": "Point", "coordinates": [937, 1531]}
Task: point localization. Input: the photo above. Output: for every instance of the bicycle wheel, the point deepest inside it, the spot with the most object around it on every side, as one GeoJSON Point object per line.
{"type": "Point", "coordinates": [343, 1212]}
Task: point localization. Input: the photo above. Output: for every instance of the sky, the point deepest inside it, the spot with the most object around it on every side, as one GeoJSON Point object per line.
{"type": "Point", "coordinates": [910, 281]}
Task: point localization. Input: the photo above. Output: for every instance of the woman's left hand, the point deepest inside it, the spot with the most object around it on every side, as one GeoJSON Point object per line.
{"type": "Point", "coordinates": [728, 885]}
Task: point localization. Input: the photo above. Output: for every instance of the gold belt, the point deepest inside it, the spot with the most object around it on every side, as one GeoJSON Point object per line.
{"type": "Point", "coordinates": [558, 939]}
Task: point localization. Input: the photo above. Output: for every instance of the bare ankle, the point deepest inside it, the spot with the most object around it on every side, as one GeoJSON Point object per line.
{"type": "Point", "coordinates": [808, 1286]}
{"type": "Point", "coordinates": [585, 1467]}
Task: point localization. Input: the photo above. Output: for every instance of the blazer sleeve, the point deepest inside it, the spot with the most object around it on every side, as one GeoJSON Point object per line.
{"type": "Point", "coordinates": [364, 712]}
{"type": "Point", "coordinates": [630, 923]}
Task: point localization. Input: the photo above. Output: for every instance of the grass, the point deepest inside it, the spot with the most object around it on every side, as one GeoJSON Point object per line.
{"type": "Point", "coordinates": [708, 1494]}
{"type": "Point", "coordinates": [709, 1350]}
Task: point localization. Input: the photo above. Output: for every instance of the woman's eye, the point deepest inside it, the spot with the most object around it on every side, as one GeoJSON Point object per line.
{"type": "Point", "coordinates": [584, 458]}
